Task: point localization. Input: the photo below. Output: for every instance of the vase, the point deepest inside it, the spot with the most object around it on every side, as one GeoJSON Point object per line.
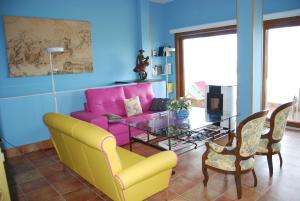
{"type": "Point", "coordinates": [182, 114]}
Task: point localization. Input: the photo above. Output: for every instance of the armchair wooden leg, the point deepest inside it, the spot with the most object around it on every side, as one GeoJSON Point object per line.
{"type": "Point", "coordinates": [280, 158]}
{"type": "Point", "coordinates": [255, 178]}
{"type": "Point", "coordinates": [237, 178]}
{"type": "Point", "coordinates": [270, 164]}
{"type": "Point", "coordinates": [206, 177]}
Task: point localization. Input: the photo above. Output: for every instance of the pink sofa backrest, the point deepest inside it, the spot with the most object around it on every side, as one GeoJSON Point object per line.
{"type": "Point", "coordinates": [144, 91]}
{"type": "Point", "coordinates": [106, 100]}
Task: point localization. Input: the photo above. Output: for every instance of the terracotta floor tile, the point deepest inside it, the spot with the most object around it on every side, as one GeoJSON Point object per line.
{"type": "Point", "coordinates": [37, 155]}
{"type": "Point", "coordinates": [21, 167]}
{"type": "Point", "coordinates": [97, 199]}
{"type": "Point", "coordinates": [268, 197]}
{"type": "Point", "coordinates": [16, 160]}
{"type": "Point", "coordinates": [99, 193]}
{"type": "Point", "coordinates": [181, 185]}
{"type": "Point", "coordinates": [57, 198]}
{"type": "Point", "coordinates": [26, 176]}
{"type": "Point", "coordinates": [282, 191]}
{"type": "Point", "coordinates": [18, 198]}
{"type": "Point", "coordinates": [56, 177]}
{"type": "Point", "coordinates": [68, 185]}
{"type": "Point", "coordinates": [45, 193]}
{"type": "Point", "coordinates": [33, 185]}
{"type": "Point", "coordinates": [51, 169]}
{"type": "Point", "coordinates": [220, 182]}
{"type": "Point", "coordinates": [179, 198]}
{"type": "Point", "coordinates": [200, 192]}
{"type": "Point", "coordinates": [83, 194]}
{"type": "Point", "coordinates": [264, 183]}
{"type": "Point", "coordinates": [223, 198]}
{"type": "Point", "coordinates": [171, 194]}
{"type": "Point", "coordinates": [50, 152]}
{"type": "Point", "coordinates": [247, 193]}
{"type": "Point", "coordinates": [16, 192]}
{"type": "Point", "coordinates": [44, 162]}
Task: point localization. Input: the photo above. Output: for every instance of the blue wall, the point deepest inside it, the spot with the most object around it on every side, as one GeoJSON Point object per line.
{"type": "Point", "coordinates": [115, 41]}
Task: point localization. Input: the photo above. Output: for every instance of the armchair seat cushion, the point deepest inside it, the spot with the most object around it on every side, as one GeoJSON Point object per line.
{"type": "Point", "coordinates": [226, 162]}
{"type": "Point", "coordinates": [262, 147]}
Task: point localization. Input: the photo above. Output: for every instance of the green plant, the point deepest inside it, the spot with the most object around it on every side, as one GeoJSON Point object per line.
{"type": "Point", "coordinates": [180, 104]}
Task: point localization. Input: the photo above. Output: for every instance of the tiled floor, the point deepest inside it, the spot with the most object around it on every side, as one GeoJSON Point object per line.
{"type": "Point", "coordinates": [39, 176]}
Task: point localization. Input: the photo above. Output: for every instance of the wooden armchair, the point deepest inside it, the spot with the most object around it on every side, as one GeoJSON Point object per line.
{"type": "Point", "coordinates": [239, 159]}
{"type": "Point", "coordinates": [270, 142]}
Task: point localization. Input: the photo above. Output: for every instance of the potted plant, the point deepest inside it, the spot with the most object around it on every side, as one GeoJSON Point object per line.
{"type": "Point", "coordinates": [180, 107]}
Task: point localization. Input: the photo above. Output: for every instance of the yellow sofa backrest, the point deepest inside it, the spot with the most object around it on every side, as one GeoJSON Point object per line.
{"type": "Point", "coordinates": [87, 149]}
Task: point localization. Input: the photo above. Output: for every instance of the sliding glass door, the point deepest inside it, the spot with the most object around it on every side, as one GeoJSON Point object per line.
{"type": "Point", "coordinates": [282, 66]}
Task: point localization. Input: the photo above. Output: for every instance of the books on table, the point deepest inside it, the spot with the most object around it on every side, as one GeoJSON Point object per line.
{"type": "Point", "coordinates": [144, 137]}
{"type": "Point", "coordinates": [213, 128]}
{"type": "Point", "coordinates": [175, 144]}
{"type": "Point", "coordinates": [112, 118]}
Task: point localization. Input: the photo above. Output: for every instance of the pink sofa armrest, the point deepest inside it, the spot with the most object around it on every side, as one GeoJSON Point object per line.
{"type": "Point", "coordinates": [93, 118]}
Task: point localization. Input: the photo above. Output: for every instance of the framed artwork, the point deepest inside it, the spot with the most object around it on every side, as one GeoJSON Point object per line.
{"type": "Point", "coordinates": [27, 40]}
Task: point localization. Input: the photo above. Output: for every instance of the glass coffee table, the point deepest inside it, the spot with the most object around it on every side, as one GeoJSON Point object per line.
{"type": "Point", "coordinates": [164, 131]}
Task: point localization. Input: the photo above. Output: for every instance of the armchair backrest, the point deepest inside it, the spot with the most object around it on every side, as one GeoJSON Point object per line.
{"type": "Point", "coordinates": [249, 133]}
{"type": "Point", "coordinates": [87, 149]}
{"type": "Point", "coordinates": [278, 120]}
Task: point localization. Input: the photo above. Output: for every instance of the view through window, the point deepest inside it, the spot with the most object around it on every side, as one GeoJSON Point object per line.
{"type": "Point", "coordinates": [210, 60]}
{"type": "Point", "coordinates": [283, 68]}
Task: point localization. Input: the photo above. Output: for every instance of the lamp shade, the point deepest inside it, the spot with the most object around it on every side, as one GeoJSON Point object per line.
{"type": "Point", "coordinates": [55, 49]}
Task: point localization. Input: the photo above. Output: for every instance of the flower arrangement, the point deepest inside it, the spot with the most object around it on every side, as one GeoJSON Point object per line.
{"type": "Point", "coordinates": [181, 104]}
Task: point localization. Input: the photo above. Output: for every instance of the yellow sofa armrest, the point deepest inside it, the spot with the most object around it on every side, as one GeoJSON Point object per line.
{"type": "Point", "coordinates": [147, 168]}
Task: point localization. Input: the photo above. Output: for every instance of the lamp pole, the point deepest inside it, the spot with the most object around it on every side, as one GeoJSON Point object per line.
{"type": "Point", "coordinates": [51, 51]}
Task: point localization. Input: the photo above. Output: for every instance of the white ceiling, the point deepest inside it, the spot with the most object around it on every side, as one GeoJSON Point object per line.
{"type": "Point", "coordinates": [161, 1]}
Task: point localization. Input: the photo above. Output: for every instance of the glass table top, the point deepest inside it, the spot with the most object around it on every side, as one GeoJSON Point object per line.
{"type": "Point", "coordinates": [166, 124]}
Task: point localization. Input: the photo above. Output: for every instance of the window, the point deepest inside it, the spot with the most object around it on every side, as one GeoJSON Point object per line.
{"type": "Point", "coordinates": [282, 65]}
{"type": "Point", "coordinates": [206, 57]}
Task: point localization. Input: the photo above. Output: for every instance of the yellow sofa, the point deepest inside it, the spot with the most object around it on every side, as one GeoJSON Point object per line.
{"type": "Point", "coordinates": [92, 153]}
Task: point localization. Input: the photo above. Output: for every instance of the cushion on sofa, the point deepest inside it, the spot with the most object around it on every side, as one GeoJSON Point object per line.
{"type": "Point", "coordinates": [133, 106]}
{"type": "Point", "coordinates": [159, 104]}
{"type": "Point", "coordinates": [144, 91]}
{"type": "Point", "coordinates": [106, 100]}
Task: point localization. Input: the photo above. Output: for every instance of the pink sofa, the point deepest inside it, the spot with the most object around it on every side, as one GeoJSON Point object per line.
{"type": "Point", "coordinates": [111, 101]}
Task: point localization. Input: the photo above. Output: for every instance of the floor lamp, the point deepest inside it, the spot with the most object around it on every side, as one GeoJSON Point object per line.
{"type": "Point", "coordinates": [51, 51]}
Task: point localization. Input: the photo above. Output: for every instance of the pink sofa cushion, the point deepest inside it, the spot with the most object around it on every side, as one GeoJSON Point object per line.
{"type": "Point", "coordinates": [106, 100]}
{"type": "Point", "coordinates": [144, 91]}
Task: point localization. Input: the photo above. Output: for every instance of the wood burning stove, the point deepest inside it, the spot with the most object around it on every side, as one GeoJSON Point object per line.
{"type": "Point", "coordinates": [214, 102]}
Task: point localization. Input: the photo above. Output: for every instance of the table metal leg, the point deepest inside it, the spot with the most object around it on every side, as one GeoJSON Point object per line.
{"type": "Point", "coordinates": [130, 139]}
{"type": "Point", "coordinates": [229, 128]}
{"type": "Point", "coordinates": [169, 141]}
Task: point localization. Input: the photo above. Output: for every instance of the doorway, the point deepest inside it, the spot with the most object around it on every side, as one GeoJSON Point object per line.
{"type": "Point", "coordinates": [282, 66]}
